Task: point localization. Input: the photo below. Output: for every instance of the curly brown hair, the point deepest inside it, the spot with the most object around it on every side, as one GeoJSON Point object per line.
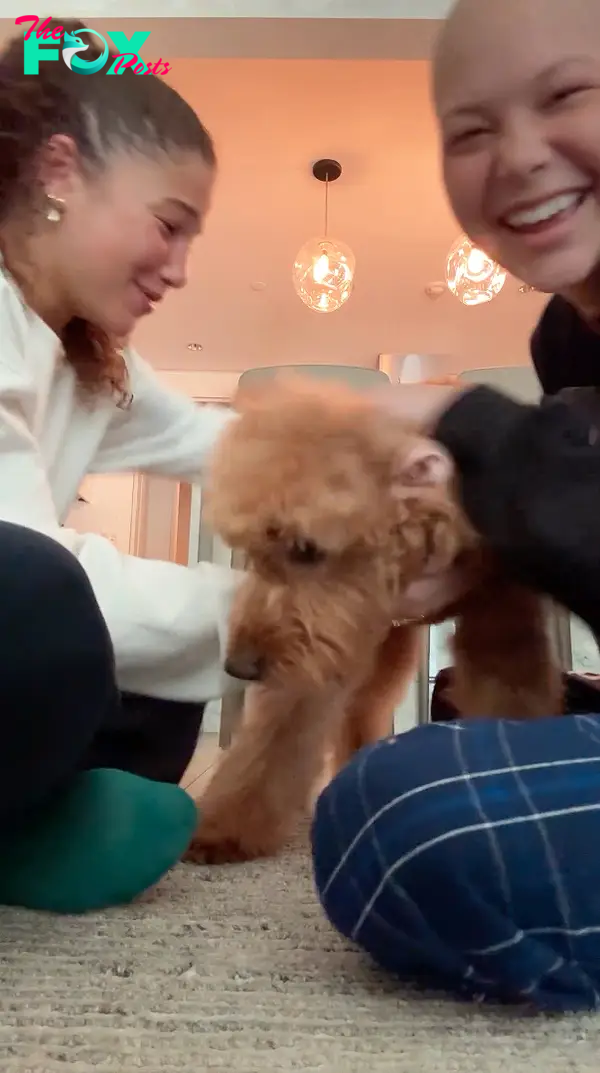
{"type": "Point", "coordinates": [101, 116]}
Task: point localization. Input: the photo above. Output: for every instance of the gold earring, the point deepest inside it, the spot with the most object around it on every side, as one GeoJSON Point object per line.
{"type": "Point", "coordinates": [55, 208]}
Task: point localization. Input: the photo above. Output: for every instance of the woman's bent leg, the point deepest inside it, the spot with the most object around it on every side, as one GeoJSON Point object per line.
{"type": "Point", "coordinates": [68, 841]}
{"type": "Point", "coordinates": [465, 856]}
{"type": "Point", "coordinates": [150, 737]}
{"type": "Point", "coordinates": [57, 684]}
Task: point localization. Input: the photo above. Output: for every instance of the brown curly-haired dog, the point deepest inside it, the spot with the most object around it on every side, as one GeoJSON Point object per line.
{"type": "Point", "coordinates": [337, 507]}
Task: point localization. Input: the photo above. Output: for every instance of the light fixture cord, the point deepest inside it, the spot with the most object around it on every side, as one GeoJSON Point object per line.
{"type": "Point", "coordinates": [326, 205]}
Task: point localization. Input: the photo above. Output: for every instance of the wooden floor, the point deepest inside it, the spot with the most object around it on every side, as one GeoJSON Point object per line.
{"type": "Point", "coordinates": [202, 764]}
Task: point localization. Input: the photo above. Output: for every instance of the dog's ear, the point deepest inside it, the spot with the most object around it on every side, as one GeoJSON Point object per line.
{"type": "Point", "coordinates": [422, 468]}
{"type": "Point", "coordinates": [424, 465]}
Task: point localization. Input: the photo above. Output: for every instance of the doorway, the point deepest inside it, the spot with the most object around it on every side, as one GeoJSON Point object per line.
{"type": "Point", "coordinates": [161, 519]}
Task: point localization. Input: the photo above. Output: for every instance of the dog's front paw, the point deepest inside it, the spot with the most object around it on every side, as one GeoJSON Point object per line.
{"type": "Point", "coordinates": [220, 842]}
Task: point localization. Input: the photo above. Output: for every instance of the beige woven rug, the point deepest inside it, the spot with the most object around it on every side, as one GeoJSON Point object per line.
{"type": "Point", "coordinates": [235, 969]}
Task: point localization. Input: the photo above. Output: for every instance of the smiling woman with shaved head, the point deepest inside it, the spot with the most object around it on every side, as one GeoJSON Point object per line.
{"type": "Point", "coordinates": [466, 855]}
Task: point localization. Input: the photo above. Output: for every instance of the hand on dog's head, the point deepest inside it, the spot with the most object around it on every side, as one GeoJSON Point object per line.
{"type": "Point", "coordinates": [300, 440]}
{"type": "Point", "coordinates": [336, 506]}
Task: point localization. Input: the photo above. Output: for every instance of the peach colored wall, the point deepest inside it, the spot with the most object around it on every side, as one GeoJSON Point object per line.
{"type": "Point", "coordinates": [159, 501]}
{"type": "Point", "coordinates": [109, 510]}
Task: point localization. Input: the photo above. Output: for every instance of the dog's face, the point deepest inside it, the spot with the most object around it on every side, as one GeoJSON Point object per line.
{"type": "Point", "coordinates": [337, 507]}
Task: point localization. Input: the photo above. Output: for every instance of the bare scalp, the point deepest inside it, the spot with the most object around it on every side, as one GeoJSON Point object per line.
{"type": "Point", "coordinates": [477, 34]}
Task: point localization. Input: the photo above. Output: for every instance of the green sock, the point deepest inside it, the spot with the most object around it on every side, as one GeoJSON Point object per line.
{"type": "Point", "coordinates": [102, 841]}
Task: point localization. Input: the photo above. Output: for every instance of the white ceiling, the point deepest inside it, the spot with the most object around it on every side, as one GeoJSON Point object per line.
{"type": "Point", "coordinates": [267, 38]}
{"type": "Point", "coordinates": [254, 9]}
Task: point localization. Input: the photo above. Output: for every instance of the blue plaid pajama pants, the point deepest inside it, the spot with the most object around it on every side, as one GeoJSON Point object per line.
{"type": "Point", "coordinates": [466, 856]}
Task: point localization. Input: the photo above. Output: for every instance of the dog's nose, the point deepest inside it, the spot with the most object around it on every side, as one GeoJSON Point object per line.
{"type": "Point", "coordinates": [247, 666]}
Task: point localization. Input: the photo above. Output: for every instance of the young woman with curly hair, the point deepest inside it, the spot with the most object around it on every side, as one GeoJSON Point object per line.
{"type": "Point", "coordinates": [107, 659]}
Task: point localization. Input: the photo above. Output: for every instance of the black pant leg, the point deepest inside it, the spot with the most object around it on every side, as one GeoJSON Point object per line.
{"type": "Point", "coordinates": [442, 708]}
{"type": "Point", "coordinates": [149, 737]}
{"type": "Point", "coordinates": [57, 682]}
{"type": "Point", "coordinates": [580, 696]}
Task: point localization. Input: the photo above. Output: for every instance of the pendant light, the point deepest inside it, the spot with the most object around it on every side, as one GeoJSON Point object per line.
{"type": "Point", "coordinates": [323, 272]}
{"type": "Point", "coordinates": [472, 276]}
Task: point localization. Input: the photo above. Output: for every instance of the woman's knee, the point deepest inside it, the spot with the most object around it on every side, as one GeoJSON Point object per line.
{"type": "Point", "coordinates": [48, 606]}
{"type": "Point", "coordinates": [34, 563]}
{"type": "Point", "coordinates": [57, 681]}
{"type": "Point", "coordinates": [416, 857]}
{"type": "Point", "coordinates": [392, 819]}
{"type": "Point", "coordinates": [387, 802]}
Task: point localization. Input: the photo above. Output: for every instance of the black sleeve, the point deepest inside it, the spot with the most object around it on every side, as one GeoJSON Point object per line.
{"type": "Point", "coordinates": [530, 484]}
{"type": "Point", "coordinates": [565, 349]}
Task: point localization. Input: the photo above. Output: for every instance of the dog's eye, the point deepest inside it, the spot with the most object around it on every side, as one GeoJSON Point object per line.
{"type": "Point", "coordinates": [273, 533]}
{"type": "Point", "coordinates": [306, 552]}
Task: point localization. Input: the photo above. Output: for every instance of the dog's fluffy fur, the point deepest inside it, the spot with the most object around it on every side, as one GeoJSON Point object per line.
{"type": "Point", "coordinates": [337, 507]}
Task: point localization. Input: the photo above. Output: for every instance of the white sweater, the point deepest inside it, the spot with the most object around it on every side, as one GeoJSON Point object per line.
{"type": "Point", "coordinates": [167, 622]}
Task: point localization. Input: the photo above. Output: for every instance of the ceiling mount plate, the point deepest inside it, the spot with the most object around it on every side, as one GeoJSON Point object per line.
{"type": "Point", "coordinates": [327, 171]}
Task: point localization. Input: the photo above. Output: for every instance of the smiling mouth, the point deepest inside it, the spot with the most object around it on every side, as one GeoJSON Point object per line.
{"type": "Point", "coordinates": [543, 214]}
{"type": "Point", "coordinates": [151, 298]}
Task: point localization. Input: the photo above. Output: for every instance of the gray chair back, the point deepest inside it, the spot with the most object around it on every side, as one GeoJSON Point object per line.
{"type": "Point", "coordinates": [353, 375]}
{"type": "Point", "coordinates": [520, 381]}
